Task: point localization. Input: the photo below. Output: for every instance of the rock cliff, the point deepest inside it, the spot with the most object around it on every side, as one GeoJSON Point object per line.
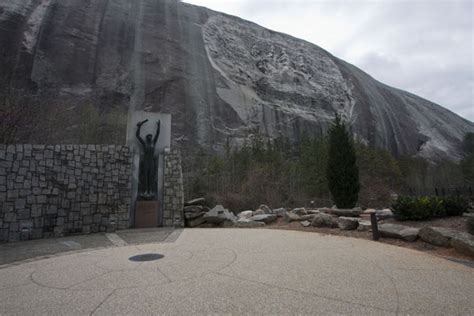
{"type": "Point", "coordinates": [222, 78]}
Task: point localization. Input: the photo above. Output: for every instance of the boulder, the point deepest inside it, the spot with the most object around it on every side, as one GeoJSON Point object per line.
{"type": "Point", "coordinates": [347, 223]}
{"type": "Point", "coordinates": [384, 214]}
{"type": "Point", "coordinates": [198, 201]}
{"type": "Point", "coordinates": [218, 215]}
{"type": "Point", "coordinates": [227, 224]}
{"type": "Point", "coordinates": [399, 231]}
{"type": "Point", "coordinates": [290, 217]}
{"type": "Point", "coordinates": [308, 217]}
{"type": "Point", "coordinates": [259, 212]}
{"type": "Point", "coordinates": [441, 236]}
{"type": "Point", "coordinates": [323, 220]}
{"type": "Point", "coordinates": [354, 212]}
{"type": "Point", "coordinates": [193, 209]}
{"type": "Point", "coordinates": [245, 214]}
{"type": "Point", "coordinates": [306, 223]}
{"type": "Point", "coordinates": [438, 236]}
{"type": "Point", "coordinates": [280, 212]}
{"type": "Point", "coordinates": [266, 209]}
{"type": "Point", "coordinates": [364, 226]}
{"type": "Point", "coordinates": [189, 216]}
{"type": "Point", "coordinates": [312, 211]}
{"type": "Point", "coordinates": [195, 221]}
{"type": "Point", "coordinates": [266, 218]}
{"type": "Point", "coordinates": [207, 225]}
{"type": "Point", "coordinates": [299, 211]}
{"type": "Point", "coordinates": [246, 223]}
{"type": "Point", "coordinates": [464, 243]}
{"type": "Point", "coordinates": [369, 211]}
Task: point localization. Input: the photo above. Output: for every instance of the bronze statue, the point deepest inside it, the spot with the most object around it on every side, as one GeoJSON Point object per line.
{"type": "Point", "coordinates": [148, 166]}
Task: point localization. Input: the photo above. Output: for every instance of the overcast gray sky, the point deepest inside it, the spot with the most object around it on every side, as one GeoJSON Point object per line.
{"type": "Point", "coordinates": [422, 46]}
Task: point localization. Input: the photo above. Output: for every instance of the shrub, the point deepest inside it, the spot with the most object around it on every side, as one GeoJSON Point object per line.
{"type": "Point", "coordinates": [470, 225]}
{"type": "Point", "coordinates": [422, 208]}
{"type": "Point", "coordinates": [455, 206]}
{"type": "Point", "coordinates": [412, 208]}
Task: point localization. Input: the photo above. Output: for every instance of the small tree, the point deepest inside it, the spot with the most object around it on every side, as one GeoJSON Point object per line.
{"type": "Point", "coordinates": [342, 170]}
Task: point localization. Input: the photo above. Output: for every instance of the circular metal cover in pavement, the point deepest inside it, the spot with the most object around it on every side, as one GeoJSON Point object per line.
{"type": "Point", "coordinates": [146, 257]}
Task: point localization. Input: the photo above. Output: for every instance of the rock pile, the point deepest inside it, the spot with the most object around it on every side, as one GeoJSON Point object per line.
{"type": "Point", "coordinates": [198, 215]}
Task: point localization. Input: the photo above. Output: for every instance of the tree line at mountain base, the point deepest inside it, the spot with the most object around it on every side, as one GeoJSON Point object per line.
{"type": "Point", "coordinates": [280, 173]}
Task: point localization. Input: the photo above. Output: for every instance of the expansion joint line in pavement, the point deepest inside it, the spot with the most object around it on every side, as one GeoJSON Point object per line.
{"type": "Point", "coordinates": [103, 301]}
{"type": "Point", "coordinates": [116, 240]}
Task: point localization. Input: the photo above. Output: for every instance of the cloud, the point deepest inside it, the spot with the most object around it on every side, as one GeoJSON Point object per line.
{"type": "Point", "coordinates": [422, 46]}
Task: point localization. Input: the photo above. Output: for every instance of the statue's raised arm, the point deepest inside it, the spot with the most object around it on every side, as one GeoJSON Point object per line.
{"type": "Point", "coordinates": [155, 140]}
{"type": "Point", "coordinates": [137, 134]}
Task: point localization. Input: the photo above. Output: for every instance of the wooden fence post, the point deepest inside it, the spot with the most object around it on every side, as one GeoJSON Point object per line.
{"type": "Point", "coordinates": [375, 227]}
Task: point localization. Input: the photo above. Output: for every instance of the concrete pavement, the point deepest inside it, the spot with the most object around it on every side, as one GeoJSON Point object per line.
{"type": "Point", "coordinates": [239, 271]}
{"type": "Point", "coordinates": [17, 252]}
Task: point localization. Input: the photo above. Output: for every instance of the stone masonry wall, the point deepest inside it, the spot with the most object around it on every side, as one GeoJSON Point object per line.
{"type": "Point", "coordinates": [56, 190]}
{"type": "Point", "coordinates": [173, 195]}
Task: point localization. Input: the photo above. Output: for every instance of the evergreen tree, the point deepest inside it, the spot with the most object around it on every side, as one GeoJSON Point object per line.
{"type": "Point", "coordinates": [342, 170]}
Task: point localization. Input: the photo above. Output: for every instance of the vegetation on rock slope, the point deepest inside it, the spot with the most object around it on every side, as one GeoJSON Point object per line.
{"type": "Point", "coordinates": [279, 173]}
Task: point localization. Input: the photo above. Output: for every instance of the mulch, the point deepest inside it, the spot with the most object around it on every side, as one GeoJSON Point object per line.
{"type": "Point", "coordinates": [458, 223]}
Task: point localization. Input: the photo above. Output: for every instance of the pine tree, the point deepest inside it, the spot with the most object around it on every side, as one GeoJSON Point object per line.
{"type": "Point", "coordinates": [342, 170]}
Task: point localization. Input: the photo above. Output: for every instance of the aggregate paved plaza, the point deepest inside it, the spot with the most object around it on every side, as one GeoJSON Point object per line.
{"type": "Point", "coordinates": [240, 271]}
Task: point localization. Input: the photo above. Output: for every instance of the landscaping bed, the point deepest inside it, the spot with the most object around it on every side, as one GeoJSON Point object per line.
{"type": "Point", "coordinates": [433, 233]}
{"type": "Point", "coordinates": [420, 245]}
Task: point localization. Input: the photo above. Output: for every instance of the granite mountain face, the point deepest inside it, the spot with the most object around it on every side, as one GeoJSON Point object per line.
{"type": "Point", "coordinates": [221, 78]}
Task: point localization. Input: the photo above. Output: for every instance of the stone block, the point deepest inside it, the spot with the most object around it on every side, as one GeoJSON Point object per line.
{"type": "Point", "coordinates": [87, 220]}
{"type": "Point", "coordinates": [3, 234]}
{"type": "Point", "coordinates": [73, 216]}
{"type": "Point", "coordinates": [31, 199]}
{"type": "Point", "coordinates": [51, 209]}
{"type": "Point", "coordinates": [22, 171]}
{"type": "Point", "coordinates": [41, 199]}
{"type": "Point", "coordinates": [58, 231]}
{"type": "Point", "coordinates": [97, 218]}
{"type": "Point", "coordinates": [20, 204]}
{"type": "Point", "coordinates": [62, 212]}
{"type": "Point", "coordinates": [86, 229]}
{"type": "Point", "coordinates": [9, 217]}
{"type": "Point", "coordinates": [12, 194]}
{"type": "Point", "coordinates": [23, 214]}
{"type": "Point", "coordinates": [13, 236]}
{"type": "Point", "coordinates": [14, 227]}
{"type": "Point", "coordinates": [37, 233]}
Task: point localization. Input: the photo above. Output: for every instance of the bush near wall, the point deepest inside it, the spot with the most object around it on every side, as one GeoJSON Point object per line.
{"type": "Point", "coordinates": [426, 207]}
